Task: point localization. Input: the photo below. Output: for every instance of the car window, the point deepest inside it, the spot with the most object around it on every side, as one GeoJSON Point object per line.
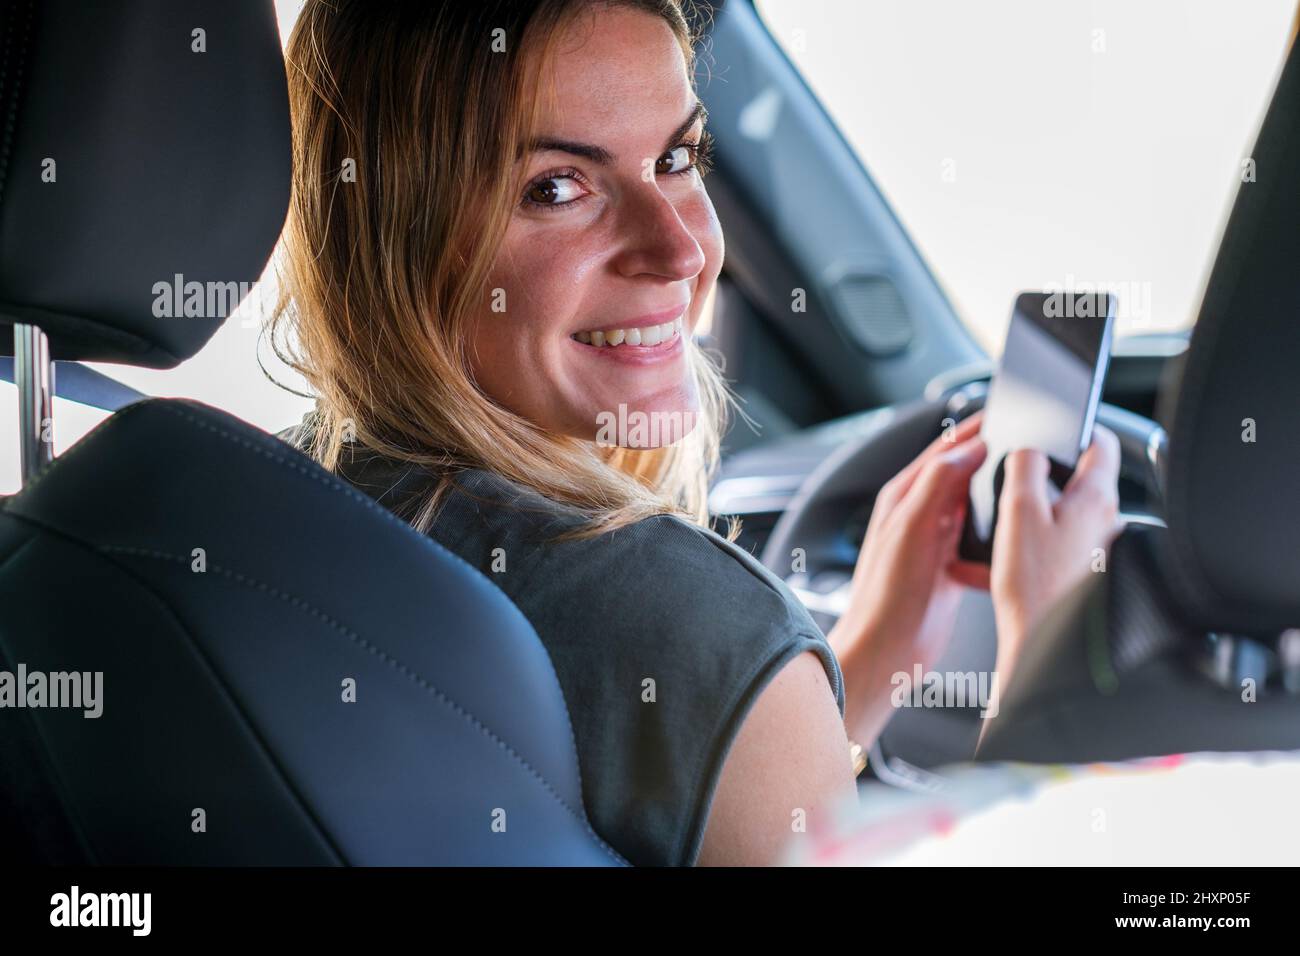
{"type": "Point", "coordinates": [1029, 145]}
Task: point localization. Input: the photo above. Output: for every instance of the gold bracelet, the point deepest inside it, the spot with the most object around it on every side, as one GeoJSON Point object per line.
{"type": "Point", "coordinates": [859, 758]}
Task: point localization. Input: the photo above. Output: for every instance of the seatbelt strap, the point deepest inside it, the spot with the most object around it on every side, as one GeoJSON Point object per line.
{"type": "Point", "coordinates": [78, 383]}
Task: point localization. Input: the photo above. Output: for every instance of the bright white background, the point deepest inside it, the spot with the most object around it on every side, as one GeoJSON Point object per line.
{"type": "Point", "coordinates": [1111, 166]}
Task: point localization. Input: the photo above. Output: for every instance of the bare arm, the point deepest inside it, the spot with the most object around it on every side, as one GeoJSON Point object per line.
{"type": "Point", "coordinates": [790, 754]}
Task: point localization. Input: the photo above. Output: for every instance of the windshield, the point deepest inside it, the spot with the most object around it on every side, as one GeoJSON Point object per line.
{"type": "Point", "coordinates": [1029, 145]}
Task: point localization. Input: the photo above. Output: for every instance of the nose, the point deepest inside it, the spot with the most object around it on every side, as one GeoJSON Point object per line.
{"type": "Point", "coordinates": [656, 241]}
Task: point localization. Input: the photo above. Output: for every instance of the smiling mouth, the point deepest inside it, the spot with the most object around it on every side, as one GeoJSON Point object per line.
{"type": "Point", "coordinates": [648, 336]}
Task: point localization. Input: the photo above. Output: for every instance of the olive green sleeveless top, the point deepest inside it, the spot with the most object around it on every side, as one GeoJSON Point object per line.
{"type": "Point", "coordinates": [662, 634]}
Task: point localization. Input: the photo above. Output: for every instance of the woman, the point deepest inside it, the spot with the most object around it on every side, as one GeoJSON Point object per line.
{"type": "Point", "coordinates": [498, 245]}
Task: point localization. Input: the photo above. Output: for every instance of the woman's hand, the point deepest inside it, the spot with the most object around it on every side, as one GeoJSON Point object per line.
{"type": "Point", "coordinates": [1047, 542]}
{"type": "Point", "coordinates": [908, 578]}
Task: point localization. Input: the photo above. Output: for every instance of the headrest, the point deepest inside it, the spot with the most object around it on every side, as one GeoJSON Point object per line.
{"type": "Point", "coordinates": [1233, 500]}
{"type": "Point", "coordinates": [144, 170]}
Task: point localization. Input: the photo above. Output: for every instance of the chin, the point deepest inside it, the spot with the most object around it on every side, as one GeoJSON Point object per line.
{"type": "Point", "coordinates": [656, 421]}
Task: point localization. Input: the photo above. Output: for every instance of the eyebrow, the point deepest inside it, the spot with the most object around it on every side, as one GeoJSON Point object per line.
{"type": "Point", "coordinates": [602, 156]}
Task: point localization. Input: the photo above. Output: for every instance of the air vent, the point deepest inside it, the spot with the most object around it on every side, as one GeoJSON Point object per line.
{"type": "Point", "coordinates": [871, 311]}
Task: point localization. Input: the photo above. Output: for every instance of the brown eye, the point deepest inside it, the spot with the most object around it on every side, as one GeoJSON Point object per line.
{"type": "Point", "coordinates": [543, 193]}
{"type": "Point", "coordinates": [554, 191]}
{"type": "Point", "coordinates": [679, 159]}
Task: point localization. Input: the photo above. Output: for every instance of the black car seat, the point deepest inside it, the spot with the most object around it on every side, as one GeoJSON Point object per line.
{"type": "Point", "coordinates": [290, 674]}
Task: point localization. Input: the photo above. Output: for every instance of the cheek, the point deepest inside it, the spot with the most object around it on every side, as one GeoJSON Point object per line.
{"type": "Point", "coordinates": [516, 336]}
{"type": "Point", "coordinates": [703, 223]}
{"type": "Point", "coordinates": [540, 278]}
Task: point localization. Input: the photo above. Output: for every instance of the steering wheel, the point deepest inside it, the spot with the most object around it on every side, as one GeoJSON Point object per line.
{"type": "Point", "coordinates": [815, 544]}
{"type": "Point", "coordinates": [818, 532]}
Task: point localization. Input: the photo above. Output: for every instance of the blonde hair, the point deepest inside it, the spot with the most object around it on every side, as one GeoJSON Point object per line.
{"type": "Point", "coordinates": [380, 276]}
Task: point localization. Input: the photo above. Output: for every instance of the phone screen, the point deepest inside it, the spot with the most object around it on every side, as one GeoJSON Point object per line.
{"type": "Point", "coordinates": [1043, 396]}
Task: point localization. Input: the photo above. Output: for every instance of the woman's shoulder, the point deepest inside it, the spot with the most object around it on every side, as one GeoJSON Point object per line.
{"type": "Point", "coordinates": [663, 560]}
{"type": "Point", "coordinates": [662, 590]}
{"type": "Point", "coordinates": [694, 576]}
{"type": "Point", "coordinates": [663, 635]}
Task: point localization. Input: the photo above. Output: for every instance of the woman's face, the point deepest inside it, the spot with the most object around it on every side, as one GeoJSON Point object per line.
{"type": "Point", "coordinates": [613, 246]}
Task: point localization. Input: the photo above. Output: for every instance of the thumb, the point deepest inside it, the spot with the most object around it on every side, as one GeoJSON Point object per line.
{"type": "Point", "coordinates": [1025, 484]}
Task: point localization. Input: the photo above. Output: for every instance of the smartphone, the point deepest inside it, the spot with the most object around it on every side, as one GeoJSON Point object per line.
{"type": "Point", "coordinates": [1044, 395]}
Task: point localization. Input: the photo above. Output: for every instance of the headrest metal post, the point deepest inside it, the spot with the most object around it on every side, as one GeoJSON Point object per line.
{"type": "Point", "coordinates": [34, 376]}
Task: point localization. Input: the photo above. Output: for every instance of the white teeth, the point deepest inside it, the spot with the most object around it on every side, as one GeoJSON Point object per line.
{"type": "Point", "coordinates": [649, 335]}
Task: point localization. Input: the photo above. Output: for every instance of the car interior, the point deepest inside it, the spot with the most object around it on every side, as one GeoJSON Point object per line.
{"type": "Point", "coordinates": [218, 575]}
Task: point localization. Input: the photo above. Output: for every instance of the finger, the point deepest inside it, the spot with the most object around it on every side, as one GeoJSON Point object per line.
{"type": "Point", "coordinates": [968, 427]}
{"type": "Point", "coordinates": [972, 574]}
{"type": "Point", "coordinates": [1103, 455]}
{"type": "Point", "coordinates": [1025, 485]}
{"type": "Point", "coordinates": [963, 431]}
{"type": "Point", "coordinates": [1096, 478]}
{"type": "Point", "coordinates": [940, 490]}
